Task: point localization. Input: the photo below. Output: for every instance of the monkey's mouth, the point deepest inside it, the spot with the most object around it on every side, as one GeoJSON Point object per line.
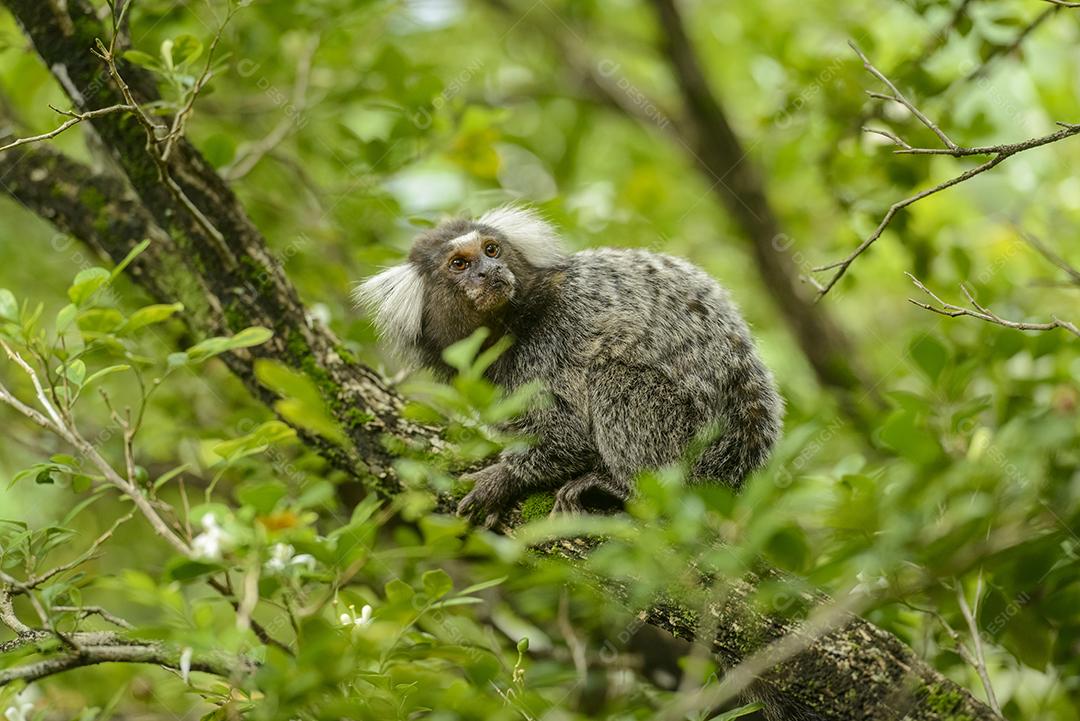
{"type": "Point", "coordinates": [491, 295]}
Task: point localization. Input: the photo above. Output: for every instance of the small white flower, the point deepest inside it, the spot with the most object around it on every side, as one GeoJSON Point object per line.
{"type": "Point", "coordinates": [19, 712]}
{"type": "Point", "coordinates": [212, 541]}
{"type": "Point", "coordinates": [351, 619]}
{"type": "Point", "coordinates": [22, 705]}
{"type": "Point", "coordinates": [185, 663]}
{"type": "Point", "coordinates": [281, 557]}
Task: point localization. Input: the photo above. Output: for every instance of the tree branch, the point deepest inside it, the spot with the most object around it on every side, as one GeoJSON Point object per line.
{"type": "Point", "coordinates": [128, 652]}
{"type": "Point", "coordinates": [999, 153]}
{"type": "Point", "coordinates": [982, 313]}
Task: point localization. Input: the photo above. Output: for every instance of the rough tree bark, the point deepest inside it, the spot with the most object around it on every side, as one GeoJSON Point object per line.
{"type": "Point", "coordinates": [855, 672]}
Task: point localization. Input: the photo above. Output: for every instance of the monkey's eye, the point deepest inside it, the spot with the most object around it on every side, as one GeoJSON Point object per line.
{"type": "Point", "coordinates": [491, 250]}
{"type": "Point", "coordinates": [458, 264]}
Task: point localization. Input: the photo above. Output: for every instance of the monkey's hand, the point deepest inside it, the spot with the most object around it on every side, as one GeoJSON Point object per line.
{"type": "Point", "coordinates": [492, 489]}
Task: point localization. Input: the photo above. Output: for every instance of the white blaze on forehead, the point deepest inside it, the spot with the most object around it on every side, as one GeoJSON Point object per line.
{"type": "Point", "coordinates": [463, 240]}
{"type": "Point", "coordinates": [528, 233]}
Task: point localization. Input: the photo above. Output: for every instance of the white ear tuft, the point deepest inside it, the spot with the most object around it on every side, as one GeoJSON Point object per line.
{"type": "Point", "coordinates": [396, 298]}
{"type": "Point", "coordinates": [529, 233]}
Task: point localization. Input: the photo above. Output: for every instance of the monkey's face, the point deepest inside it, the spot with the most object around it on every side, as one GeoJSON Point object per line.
{"type": "Point", "coordinates": [475, 264]}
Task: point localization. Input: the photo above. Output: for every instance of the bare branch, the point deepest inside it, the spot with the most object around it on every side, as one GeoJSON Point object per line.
{"type": "Point", "coordinates": [899, 97]}
{"type": "Point", "coordinates": [129, 652]}
{"type": "Point", "coordinates": [76, 118]}
{"type": "Point", "coordinates": [983, 313]}
{"type": "Point", "coordinates": [976, 640]}
{"type": "Point", "coordinates": [84, 611]}
{"type": "Point", "coordinates": [1063, 3]}
{"type": "Point", "coordinates": [999, 154]}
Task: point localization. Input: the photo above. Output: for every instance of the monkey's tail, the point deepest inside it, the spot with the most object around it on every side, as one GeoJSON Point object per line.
{"type": "Point", "coordinates": [749, 425]}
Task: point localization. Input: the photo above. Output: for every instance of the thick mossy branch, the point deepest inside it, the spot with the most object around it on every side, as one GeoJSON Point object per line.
{"type": "Point", "coordinates": [856, 672]}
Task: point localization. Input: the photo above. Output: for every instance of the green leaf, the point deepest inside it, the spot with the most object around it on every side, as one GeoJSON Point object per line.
{"type": "Point", "coordinates": [86, 283]}
{"type": "Point", "coordinates": [75, 372]}
{"type": "Point", "coordinates": [80, 483]}
{"type": "Point", "coordinates": [187, 48]}
{"type": "Point", "coordinates": [255, 442]}
{"type": "Point", "coordinates": [398, 591]}
{"type": "Point", "coordinates": [437, 583]}
{"type": "Point", "coordinates": [145, 60]}
{"type": "Point", "coordinates": [9, 307]}
{"type": "Point", "coordinates": [132, 254]}
{"type": "Point", "coordinates": [482, 585]}
{"type": "Point", "coordinates": [930, 355]}
{"type": "Point", "coordinates": [152, 314]}
{"type": "Point", "coordinates": [169, 475]}
{"type": "Point", "coordinates": [185, 569]}
{"type": "Point", "coordinates": [99, 321]}
{"type": "Point", "coordinates": [65, 317]}
{"type": "Point", "coordinates": [262, 496]}
{"type": "Point", "coordinates": [460, 355]}
{"type": "Point", "coordinates": [98, 375]}
{"type": "Point", "coordinates": [84, 504]}
{"type": "Point", "coordinates": [220, 344]}
{"type": "Point", "coordinates": [301, 402]}
{"type": "Point", "coordinates": [317, 494]}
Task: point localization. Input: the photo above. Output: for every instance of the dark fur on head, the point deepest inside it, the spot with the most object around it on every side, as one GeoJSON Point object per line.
{"type": "Point", "coordinates": [496, 285]}
{"type": "Point", "coordinates": [425, 305]}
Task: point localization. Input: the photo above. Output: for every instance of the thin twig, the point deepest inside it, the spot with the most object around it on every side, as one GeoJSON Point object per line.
{"type": "Point", "coordinates": [976, 641]}
{"type": "Point", "coordinates": [154, 133]}
{"type": "Point", "coordinates": [181, 117]}
{"type": "Point", "coordinates": [128, 486]}
{"type": "Point", "coordinates": [84, 611]}
{"type": "Point", "coordinates": [88, 555]}
{"type": "Point", "coordinates": [900, 98]}
{"type": "Point", "coordinates": [983, 313]}
{"type": "Point", "coordinates": [76, 118]}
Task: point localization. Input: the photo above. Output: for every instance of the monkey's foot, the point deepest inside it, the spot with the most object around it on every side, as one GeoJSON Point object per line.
{"type": "Point", "coordinates": [568, 497]}
{"type": "Point", "coordinates": [488, 495]}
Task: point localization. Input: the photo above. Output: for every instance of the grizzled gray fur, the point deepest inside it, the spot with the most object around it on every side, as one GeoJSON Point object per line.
{"type": "Point", "coordinates": [644, 356]}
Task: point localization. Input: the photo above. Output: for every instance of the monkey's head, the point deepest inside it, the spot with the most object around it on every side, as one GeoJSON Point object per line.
{"type": "Point", "coordinates": [460, 276]}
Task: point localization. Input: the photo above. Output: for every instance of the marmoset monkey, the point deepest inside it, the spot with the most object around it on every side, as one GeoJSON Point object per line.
{"type": "Point", "coordinates": [642, 354]}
